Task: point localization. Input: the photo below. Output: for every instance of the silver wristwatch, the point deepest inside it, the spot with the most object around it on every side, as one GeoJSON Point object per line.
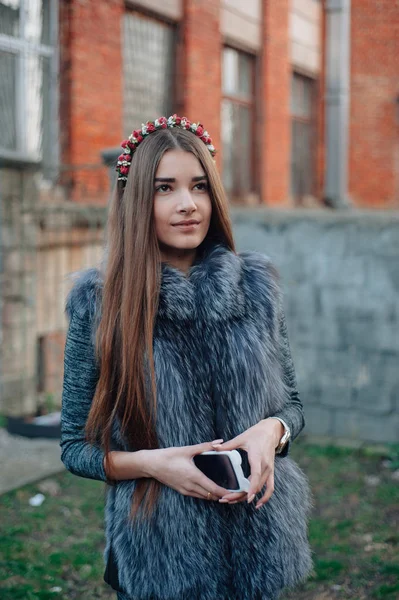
{"type": "Point", "coordinates": [285, 437]}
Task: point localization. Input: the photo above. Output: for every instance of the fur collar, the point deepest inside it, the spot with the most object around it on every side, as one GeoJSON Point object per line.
{"type": "Point", "coordinates": [219, 286]}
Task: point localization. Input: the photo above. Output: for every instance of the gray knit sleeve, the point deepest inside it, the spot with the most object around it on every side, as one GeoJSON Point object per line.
{"type": "Point", "coordinates": [80, 380]}
{"type": "Point", "coordinates": [292, 413]}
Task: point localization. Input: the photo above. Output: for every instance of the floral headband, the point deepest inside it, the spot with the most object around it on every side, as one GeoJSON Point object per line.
{"type": "Point", "coordinates": [136, 137]}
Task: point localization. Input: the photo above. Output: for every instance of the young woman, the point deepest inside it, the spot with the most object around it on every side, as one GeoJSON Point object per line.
{"type": "Point", "coordinates": [177, 345]}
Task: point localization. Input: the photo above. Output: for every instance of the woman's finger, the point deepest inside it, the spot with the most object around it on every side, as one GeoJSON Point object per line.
{"type": "Point", "coordinates": [203, 493]}
{"type": "Point", "coordinates": [265, 476]}
{"type": "Point", "coordinates": [209, 485]}
{"type": "Point", "coordinates": [233, 444]}
{"type": "Point", "coordinates": [269, 491]}
{"type": "Point", "coordinates": [204, 447]}
{"type": "Point", "coordinates": [255, 477]}
{"type": "Point", "coordinates": [234, 497]}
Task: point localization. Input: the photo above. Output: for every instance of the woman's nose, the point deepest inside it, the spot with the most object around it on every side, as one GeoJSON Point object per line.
{"type": "Point", "coordinates": [186, 203]}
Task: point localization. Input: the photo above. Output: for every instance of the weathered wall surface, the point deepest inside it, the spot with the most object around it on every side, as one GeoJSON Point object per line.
{"type": "Point", "coordinates": [340, 275]}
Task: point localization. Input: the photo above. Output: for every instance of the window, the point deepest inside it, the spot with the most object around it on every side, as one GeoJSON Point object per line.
{"type": "Point", "coordinates": [149, 55]}
{"type": "Point", "coordinates": [302, 137]}
{"type": "Point", "coordinates": [237, 122]}
{"type": "Point", "coordinates": [28, 76]}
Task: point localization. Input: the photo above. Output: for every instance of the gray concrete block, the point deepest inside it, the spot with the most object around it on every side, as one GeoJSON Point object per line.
{"type": "Point", "coordinates": [344, 271]}
{"type": "Point", "coordinates": [334, 378]}
{"type": "Point", "coordinates": [318, 420]}
{"type": "Point", "coordinates": [369, 428]}
{"type": "Point", "coordinates": [340, 276]}
{"type": "Point", "coordinates": [376, 384]}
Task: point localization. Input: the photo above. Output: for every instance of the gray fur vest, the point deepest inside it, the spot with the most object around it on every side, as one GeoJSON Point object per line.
{"type": "Point", "coordinates": [217, 373]}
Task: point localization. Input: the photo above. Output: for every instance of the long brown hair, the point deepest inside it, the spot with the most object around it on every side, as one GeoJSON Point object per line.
{"type": "Point", "coordinates": [132, 275]}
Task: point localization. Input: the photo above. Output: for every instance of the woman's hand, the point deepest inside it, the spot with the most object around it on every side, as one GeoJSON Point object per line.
{"type": "Point", "coordinates": [175, 468]}
{"type": "Point", "coordinates": [260, 442]}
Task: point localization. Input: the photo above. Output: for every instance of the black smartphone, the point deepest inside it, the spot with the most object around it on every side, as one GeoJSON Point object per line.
{"type": "Point", "coordinates": [219, 468]}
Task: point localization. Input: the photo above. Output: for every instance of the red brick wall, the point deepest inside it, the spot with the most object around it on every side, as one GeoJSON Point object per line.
{"type": "Point", "coordinates": [202, 65]}
{"type": "Point", "coordinates": [275, 92]}
{"type": "Point", "coordinates": [374, 128]}
{"type": "Point", "coordinates": [92, 86]}
{"type": "Point", "coordinates": [91, 105]}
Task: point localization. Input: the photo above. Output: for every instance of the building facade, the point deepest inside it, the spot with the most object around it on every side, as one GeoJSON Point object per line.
{"type": "Point", "coordinates": [301, 98]}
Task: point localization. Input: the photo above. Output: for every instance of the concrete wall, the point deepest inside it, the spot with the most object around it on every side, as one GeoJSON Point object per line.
{"type": "Point", "coordinates": [40, 245]}
{"type": "Point", "coordinates": [340, 274]}
{"type": "Point", "coordinates": [18, 239]}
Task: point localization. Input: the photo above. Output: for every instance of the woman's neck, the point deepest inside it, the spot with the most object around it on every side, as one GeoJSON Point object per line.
{"type": "Point", "coordinates": [180, 259]}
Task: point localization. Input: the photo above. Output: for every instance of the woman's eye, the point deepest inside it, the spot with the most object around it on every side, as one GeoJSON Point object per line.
{"type": "Point", "coordinates": [201, 186]}
{"type": "Point", "coordinates": [163, 188]}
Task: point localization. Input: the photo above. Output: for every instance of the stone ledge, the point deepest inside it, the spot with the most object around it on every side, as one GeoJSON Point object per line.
{"type": "Point", "coordinates": [68, 215]}
{"type": "Point", "coordinates": [269, 216]}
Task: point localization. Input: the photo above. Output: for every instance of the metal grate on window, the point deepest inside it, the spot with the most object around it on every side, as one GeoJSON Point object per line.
{"type": "Point", "coordinates": [149, 52]}
{"type": "Point", "coordinates": [302, 137]}
{"type": "Point", "coordinates": [237, 118]}
{"type": "Point", "coordinates": [28, 76]}
{"type": "Point", "coordinates": [8, 100]}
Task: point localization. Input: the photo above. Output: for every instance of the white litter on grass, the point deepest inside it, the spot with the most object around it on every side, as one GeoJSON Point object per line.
{"type": "Point", "coordinates": [372, 480]}
{"type": "Point", "coordinates": [37, 500]}
{"type": "Point", "coordinates": [56, 589]}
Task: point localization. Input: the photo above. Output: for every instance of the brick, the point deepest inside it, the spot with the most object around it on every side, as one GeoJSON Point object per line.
{"type": "Point", "coordinates": [91, 94]}
{"type": "Point", "coordinates": [201, 66]}
{"type": "Point", "coordinates": [275, 122]}
{"type": "Point", "coordinates": [373, 168]}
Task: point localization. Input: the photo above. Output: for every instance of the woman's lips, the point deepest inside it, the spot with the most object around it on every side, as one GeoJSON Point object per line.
{"type": "Point", "coordinates": [187, 226]}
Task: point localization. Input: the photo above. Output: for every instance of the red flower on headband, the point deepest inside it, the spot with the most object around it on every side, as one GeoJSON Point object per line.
{"type": "Point", "coordinates": [138, 135]}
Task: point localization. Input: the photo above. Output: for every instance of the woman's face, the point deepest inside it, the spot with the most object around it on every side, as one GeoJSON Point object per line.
{"type": "Point", "coordinates": [182, 206]}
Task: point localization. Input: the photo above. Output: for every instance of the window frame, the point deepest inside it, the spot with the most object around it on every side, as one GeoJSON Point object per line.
{"type": "Point", "coordinates": [22, 49]}
{"type": "Point", "coordinates": [140, 12]}
{"type": "Point", "coordinates": [252, 104]}
{"type": "Point", "coordinates": [307, 120]}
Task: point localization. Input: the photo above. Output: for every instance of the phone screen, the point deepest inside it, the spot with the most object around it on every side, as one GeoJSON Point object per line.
{"type": "Point", "coordinates": [218, 468]}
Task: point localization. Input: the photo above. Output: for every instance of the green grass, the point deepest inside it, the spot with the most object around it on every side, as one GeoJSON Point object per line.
{"type": "Point", "coordinates": [354, 527]}
{"type": "Point", "coordinates": [353, 532]}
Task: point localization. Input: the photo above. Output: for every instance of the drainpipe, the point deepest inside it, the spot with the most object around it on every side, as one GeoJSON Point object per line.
{"type": "Point", "coordinates": [1, 299]}
{"type": "Point", "coordinates": [338, 42]}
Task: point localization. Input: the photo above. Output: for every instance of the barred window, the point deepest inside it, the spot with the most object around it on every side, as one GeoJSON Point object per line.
{"type": "Point", "coordinates": [302, 137]}
{"type": "Point", "coordinates": [238, 107]}
{"type": "Point", "coordinates": [28, 80]}
{"type": "Point", "coordinates": [149, 61]}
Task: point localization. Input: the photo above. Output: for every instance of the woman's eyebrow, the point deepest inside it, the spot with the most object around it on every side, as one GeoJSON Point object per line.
{"type": "Point", "coordinates": [173, 180]}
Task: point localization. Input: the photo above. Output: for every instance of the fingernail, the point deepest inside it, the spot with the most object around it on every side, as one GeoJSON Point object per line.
{"type": "Point", "coordinates": [251, 498]}
{"type": "Point", "coordinates": [223, 500]}
{"type": "Point", "coordinates": [217, 441]}
{"type": "Point", "coordinates": [258, 506]}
